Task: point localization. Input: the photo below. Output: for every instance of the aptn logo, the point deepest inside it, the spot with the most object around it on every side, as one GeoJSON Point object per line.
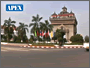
{"type": "Point", "coordinates": [14, 7]}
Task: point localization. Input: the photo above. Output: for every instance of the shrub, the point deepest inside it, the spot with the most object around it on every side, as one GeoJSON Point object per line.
{"type": "Point", "coordinates": [30, 40]}
{"type": "Point", "coordinates": [39, 39]}
{"type": "Point", "coordinates": [4, 37]}
{"type": "Point", "coordinates": [48, 38]}
{"type": "Point", "coordinates": [25, 39]}
{"type": "Point", "coordinates": [86, 38]}
{"type": "Point", "coordinates": [77, 38]}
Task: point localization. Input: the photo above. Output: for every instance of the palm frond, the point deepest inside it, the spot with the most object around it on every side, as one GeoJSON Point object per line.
{"type": "Point", "coordinates": [34, 18]}
{"type": "Point", "coordinates": [26, 25]}
{"type": "Point", "coordinates": [6, 21]}
{"type": "Point", "coordinates": [13, 25]}
{"type": "Point", "coordinates": [13, 21]}
{"type": "Point", "coordinates": [9, 19]}
{"type": "Point", "coordinates": [31, 24]}
{"type": "Point", "coordinates": [40, 18]}
{"type": "Point", "coordinates": [27, 29]}
{"type": "Point", "coordinates": [37, 17]}
{"type": "Point", "coordinates": [46, 22]}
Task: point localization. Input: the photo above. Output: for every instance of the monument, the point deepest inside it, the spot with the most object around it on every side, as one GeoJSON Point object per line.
{"type": "Point", "coordinates": [66, 21]}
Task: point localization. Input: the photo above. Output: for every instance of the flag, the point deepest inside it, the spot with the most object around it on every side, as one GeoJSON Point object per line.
{"type": "Point", "coordinates": [48, 32]}
{"type": "Point", "coordinates": [51, 34]}
{"type": "Point", "coordinates": [35, 33]}
{"type": "Point", "coordinates": [42, 33]}
{"type": "Point", "coordinates": [45, 33]}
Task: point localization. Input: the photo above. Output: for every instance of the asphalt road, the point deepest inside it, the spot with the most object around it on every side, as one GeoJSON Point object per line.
{"type": "Point", "coordinates": [29, 57]}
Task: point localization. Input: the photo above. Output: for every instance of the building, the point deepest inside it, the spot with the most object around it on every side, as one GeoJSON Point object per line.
{"type": "Point", "coordinates": [66, 21]}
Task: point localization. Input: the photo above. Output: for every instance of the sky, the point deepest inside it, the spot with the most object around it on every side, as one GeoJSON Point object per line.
{"type": "Point", "coordinates": [45, 9]}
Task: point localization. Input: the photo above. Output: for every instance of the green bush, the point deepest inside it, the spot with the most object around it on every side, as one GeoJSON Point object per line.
{"type": "Point", "coordinates": [39, 39]}
{"type": "Point", "coordinates": [30, 40]}
{"type": "Point", "coordinates": [25, 39]}
{"type": "Point", "coordinates": [3, 37]}
{"type": "Point", "coordinates": [77, 38]}
{"type": "Point", "coordinates": [86, 38]}
{"type": "Point", "coordinates": [48, 38]}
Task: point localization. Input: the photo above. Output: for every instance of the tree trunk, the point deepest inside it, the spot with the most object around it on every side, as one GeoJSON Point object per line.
{"type": "Point", "coordinates": [60, 43]}
{"type": "Point", "coordinates": [8, 38]}
{"type": "Point", "coordinates": [54, 41]}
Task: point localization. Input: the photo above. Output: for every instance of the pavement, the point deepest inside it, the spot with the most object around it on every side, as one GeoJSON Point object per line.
{"type": "Point", "coordinates": [12, 56]}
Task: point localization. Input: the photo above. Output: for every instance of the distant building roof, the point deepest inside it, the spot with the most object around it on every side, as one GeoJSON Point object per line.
{"type": "Point", "coordinates": [54, 13]}
{"type": "Point", "coordinates": [64, 7]}
{"type": "Point", "coordinates": [71, 12]}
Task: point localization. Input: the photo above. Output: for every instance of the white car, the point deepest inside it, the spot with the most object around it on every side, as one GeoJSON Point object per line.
{"type": "Point", "coordinates": [86, 46]}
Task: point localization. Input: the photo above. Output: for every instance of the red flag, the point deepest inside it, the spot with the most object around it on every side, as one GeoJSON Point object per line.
{"type": "Point", "coordinates": [42, 33]}
{"type": "Point", "coordinates": [48, 32]}
{"type": "Point", "coordinates": [37, 33]}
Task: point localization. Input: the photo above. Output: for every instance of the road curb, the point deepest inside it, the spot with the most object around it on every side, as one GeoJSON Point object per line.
{"type": "Point", "coordinates": [30, 46]}
{"type": "Point", "coordinates": [53, 47]}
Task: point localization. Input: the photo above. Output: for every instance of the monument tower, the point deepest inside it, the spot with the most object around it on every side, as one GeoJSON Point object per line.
{"type": "Point", "coordinates": [65, 20]}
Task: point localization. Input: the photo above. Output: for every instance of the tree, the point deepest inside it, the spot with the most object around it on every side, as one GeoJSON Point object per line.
{"type": "Point", "coordinates": [3, 37]}
{"type": "Point", "coordinates": [76, 38]}
{"type": "Point", "coordinates": [22, 30]}
{"type": "Point", "coordinates": [59, 34]}
{"type": "Point", "coordinates": [65, 40]}
{"type": "Point", "coordinates": [46, 27]}
{"type": "Point", "coordinates": [35, 25]}
{"type": "Point", "coordinates": [54, 38]}
{"type": "Point", "coordinates": [86, 38]}
{"type": "Point", "coordinates": [8, 28]}
{"type": "Point", "coordinates": [32, 37]}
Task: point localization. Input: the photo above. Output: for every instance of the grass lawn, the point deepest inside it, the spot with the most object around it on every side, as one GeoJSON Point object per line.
{"type": "Point", "coordinates": [74, 44]}
{"type": "Point", "coordinates": [43, 44]}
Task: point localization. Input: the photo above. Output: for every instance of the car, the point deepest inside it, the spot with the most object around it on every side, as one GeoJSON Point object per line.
{"type": "Point", "coordinates": [86, 46]}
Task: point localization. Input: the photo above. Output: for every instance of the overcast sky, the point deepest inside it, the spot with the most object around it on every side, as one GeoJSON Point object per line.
{"type": "Point", "coordinates": [45, 9]}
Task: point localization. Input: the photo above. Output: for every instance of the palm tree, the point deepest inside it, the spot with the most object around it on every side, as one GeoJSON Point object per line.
{"type": "Point", "coordinates": [22, 30]}
{"type": "Point", "coordinates": [8, 28]}
{"type": "Point", "coordinates": [46, 27]}
{"type": "Point", "coordinates": [36, 24]}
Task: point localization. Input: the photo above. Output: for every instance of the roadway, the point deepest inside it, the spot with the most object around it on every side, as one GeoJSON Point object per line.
{"type": "Point", "coordinates": [31, 57]}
